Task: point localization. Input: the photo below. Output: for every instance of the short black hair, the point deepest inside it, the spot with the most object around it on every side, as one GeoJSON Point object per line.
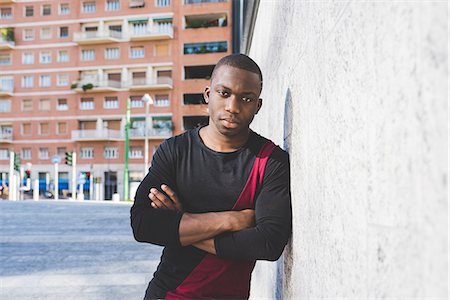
{"type": "Point", "coordinates": [240, 61]}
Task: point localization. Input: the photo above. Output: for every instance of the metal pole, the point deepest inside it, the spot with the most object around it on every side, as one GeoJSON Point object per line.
{"type": "Point", "coordinates": [56, 182]}
{"type": "Point", "coordinates": [147, 105]}
{"type": "Point", "coordinates": [11, 175]}
{"type": "Point", "coordinates": [74, 175]}
{"type": "Point", "coordinates": [125, 175]}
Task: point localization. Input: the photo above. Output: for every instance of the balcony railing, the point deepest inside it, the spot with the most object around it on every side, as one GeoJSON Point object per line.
{"type": "Point", "coordinates": [163, 31]}
{"type": "Point", "coordinates": [96, 37]}
{"type": "Point", "coordinates": [151, 132]}
{"type": "Point", "coordinates": [94, 134]}
{"type": "Point", "coordinates": [6, 43]}
{"type": "Point", "coordinates": [92, 85]}
{"type": "Point", "coordinates": [144, 83]}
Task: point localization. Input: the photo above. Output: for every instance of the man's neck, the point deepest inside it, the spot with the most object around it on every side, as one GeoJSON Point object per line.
{"type": "Point", "coordinates": [222, 143]}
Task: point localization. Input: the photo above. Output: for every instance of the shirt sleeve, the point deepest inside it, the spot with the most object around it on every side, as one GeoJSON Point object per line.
{"type": "Point", "coordinates": [156, 226]}
{"type": "Point", "coordinates": [273, 216]}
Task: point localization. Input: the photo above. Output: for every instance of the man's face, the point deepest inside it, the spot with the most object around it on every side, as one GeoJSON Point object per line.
{"type": "Point", "coordinates": [233, 100]}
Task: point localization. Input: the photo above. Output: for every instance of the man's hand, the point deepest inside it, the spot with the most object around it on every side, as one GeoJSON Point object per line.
{"type": "Point", "coordinates": [160, 200]}
{"type": "Point", "coordinates": [241, 219]}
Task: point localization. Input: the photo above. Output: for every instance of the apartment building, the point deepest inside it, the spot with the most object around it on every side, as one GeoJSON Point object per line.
{"type": "Point", "coordinates": [68, 68]}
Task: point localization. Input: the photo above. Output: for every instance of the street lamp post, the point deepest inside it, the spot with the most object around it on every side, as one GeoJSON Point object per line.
{"type": "Point", "coordinates": [147, 100]}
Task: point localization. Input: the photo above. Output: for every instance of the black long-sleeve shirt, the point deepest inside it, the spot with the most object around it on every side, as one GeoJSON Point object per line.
{"type": "Point", "coordinates": [207, 181]}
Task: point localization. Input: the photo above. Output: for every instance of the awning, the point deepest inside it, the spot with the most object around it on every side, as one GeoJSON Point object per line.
{"type": "Point", "coordinates": [138, 20]}
{"type": "Point", "coordinates": [163, 19]}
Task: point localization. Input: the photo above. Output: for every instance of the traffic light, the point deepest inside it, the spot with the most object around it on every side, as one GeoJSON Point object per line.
{"type": "Point", "coordinates": [27, 174]}
{"type": "Point", "coordinates": [17, 161]}
{"type": "Point", "coordinates": [69, 161]}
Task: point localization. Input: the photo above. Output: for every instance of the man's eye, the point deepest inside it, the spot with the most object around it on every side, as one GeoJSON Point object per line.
{"type": "Point", "coordinates": [222, 93]}
{"type": "Point", "coordinates": [246, 99]}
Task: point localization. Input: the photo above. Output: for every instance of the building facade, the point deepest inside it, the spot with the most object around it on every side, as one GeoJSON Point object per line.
{"type": "Point", "coordinates": [68, 69]}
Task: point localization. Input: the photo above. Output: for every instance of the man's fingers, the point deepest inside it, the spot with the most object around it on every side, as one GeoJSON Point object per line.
{"type": "Point", "coordinates": [172, 196]}
{"type": "Point", "coordinates": [160, 199]}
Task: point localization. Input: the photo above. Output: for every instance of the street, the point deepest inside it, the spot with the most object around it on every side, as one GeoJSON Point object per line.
{"type": "Point", "coordinates": [71, 250]}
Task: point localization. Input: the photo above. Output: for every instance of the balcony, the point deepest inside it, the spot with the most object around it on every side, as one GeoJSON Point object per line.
{"type": "Point", "coordinates": [153, 133]}
{"type": "Point", "coordinates": [6, 88]}
{"type": "Point", "coordinates": [6, 136]}
{"type": "Point", "coordinates": [7, 39]}
{"type": "Point", "coordinates": [94, 86]}
{"type": "Point", "coordinates": [161, 83]}
{"type": "Point", "coordinates": [98, 37]}
{"type": "Point", "coordinates": [160, 32]}
{"type": "Point", "coordinates": [97, 135]}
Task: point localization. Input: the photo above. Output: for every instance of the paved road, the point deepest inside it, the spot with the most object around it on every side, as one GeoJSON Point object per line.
{"type": "Point", "coordinates": [67, 250]}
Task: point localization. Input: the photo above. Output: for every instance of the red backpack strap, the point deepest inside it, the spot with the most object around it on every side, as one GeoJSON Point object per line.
{"type": "Point", "coordinates": [247, 197]}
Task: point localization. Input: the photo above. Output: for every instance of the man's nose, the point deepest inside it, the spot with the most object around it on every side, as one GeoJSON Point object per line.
{"type": "Point", "coordinates": [232, 105]}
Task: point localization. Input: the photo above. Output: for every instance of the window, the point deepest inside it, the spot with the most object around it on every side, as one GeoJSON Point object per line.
{"type": "Point", "coordinates": [61, 128]}
{"type": "Point", "coordinates": [43, 128]}
{"type": "Point", "coordinates": [88, 7]}
{"type": "Point", "coordinates": [161, 3]}
{"type": "Point", "coordinates": [5, 13]}
{"type": "Point", "coordinates": [27, 81]}
{"type": "Point", "coordinates": [63, 56]}
{"type": "Point", "coordinates": [194, 99]}
{"type": "Point", "coordinates": [162, 100]}
{"type": "Point", "coordinates": [4, 154]}
{"type": "Point", "coordinates": [190, 122]}
{"type": "Point", "coordinates": [87, 103]}
{"type": "Point", "coordinates": [111, 152]}
{"type": "Point", "coordinates": [206, 20]}
{"type": "Point", "coordinates": [28, 58]}
{"type": "Point", "coordinates": [140, 27]}
{"type": "Point", "coordinates": [137, 52]}
{"type": "Point", "coordinates": [162, 50]}
{"type": "Point", "coordinates": [5, 106]}
{"type": "Point", "coordinates": [28, 34]}
{"type": "Point", "coordinates": [46, 33]}
{"type": "Point", "coordinates": [29, 11]}
{"type": "Point", "coordinates": [45, 57]}
{"type": "Point", "coordinates": [26, 128]}
{"type": "Point", "coordinates": [44, 104]}
{"type": "Point", "coordinates": [43, 153]}
{"type": "Point", "coordinates": [202, 48]}
{"type": "Point", "coordinates": [63, 32]}
{"type": "Point", "coordinates": [111, 102]}
{"type": "Point", "coordinates": [112, 53]}
{"type": "Point", "coordinates": [86, 152]}
{"type": "Point", "coordinates": [62, 80]}
{"type": "Point", "coordinates": [5, 58]}
{"type": "Point", "coordinates": [62, 104]}
{"type": "Point", "coordinates": [136, 152]}
{"type": "Point", "coordinates": [202, 1]}
{"type": "Point", "coordinates": [64, 9]}
{"type": "Point", "coordinates": [198, 72]}
{"type": "Point", "coordinates": [112, 4]}
{"type": "Point", "coordinates": [27, 105]}
{"type": "Point", "coordinates": [46, 9]}
{"type": "Point", "coordinates": [88, 54]}
{"type": "Point", "coordinates": [136, 101]}
{"type": "Point", "coordinates": [26, 153]}
{"type": "Point", "coordinates": [61, 151]}
{"type": "Point", "coordinates": [44, 80]}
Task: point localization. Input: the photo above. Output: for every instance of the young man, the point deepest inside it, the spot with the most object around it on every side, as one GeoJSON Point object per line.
{"type": "Point", "coordinates": [216, 197]}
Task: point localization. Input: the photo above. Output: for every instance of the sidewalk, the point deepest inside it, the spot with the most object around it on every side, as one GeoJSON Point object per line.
{"type": "Point", "coordinates": [72, 250]}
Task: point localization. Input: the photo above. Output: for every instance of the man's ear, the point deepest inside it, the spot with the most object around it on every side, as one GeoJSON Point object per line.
{"type": "Point", "coordinates": [206, 94]}
{"type": "Point", "coordinates": [259, 105]}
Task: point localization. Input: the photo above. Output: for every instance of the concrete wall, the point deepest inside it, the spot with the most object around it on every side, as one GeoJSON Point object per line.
{"type": "Point", "coordinates": [357, 91]}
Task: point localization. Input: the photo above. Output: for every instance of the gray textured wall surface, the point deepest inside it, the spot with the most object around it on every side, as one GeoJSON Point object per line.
{"type": "Point", "coordinates": [358, 93]}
